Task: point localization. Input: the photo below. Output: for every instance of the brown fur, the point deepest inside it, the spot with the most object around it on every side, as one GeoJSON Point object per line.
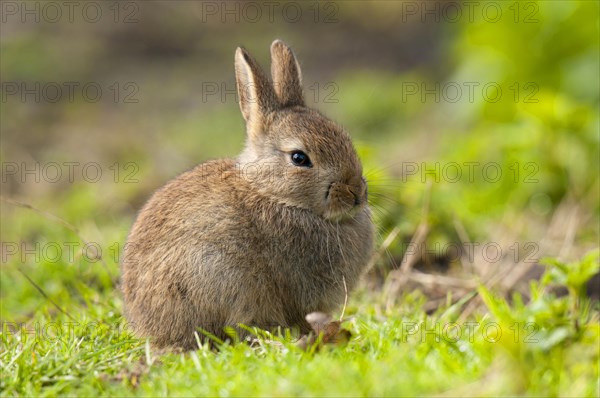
{"type": "Point", "coordinates": [255, 240]}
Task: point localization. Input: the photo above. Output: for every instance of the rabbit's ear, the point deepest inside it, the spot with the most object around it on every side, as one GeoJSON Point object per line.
{"type": "Point", "coordinates": [256, 96]}
{"type": "Point", "coordinates": [287, 78]}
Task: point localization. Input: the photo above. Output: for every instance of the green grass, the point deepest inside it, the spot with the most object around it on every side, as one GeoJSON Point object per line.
{"type": "Point", "coordinates": [547, 347]}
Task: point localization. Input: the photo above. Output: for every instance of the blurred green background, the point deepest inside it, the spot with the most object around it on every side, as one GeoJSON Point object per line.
{"type": "Point", "coordinates": [503, 93]}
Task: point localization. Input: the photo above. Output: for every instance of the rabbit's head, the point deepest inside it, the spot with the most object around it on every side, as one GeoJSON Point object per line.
{"type": "Point", "coordinates": [294, 154]}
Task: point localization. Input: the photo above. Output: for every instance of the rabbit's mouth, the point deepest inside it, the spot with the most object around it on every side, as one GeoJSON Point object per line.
{"type": "Point", "coordinates": [344, 215]}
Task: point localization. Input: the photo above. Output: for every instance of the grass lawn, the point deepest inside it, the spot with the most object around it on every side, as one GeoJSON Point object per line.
{"type": "Point", "coordinates": [76, 343]}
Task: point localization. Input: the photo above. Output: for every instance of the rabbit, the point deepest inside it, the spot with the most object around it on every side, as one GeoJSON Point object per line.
{"type": "Point", "coordinates": [261, 240]}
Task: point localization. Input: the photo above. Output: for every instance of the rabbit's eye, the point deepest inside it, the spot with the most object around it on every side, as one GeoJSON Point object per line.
{"type": "Point", "coordinates": [299, 158]}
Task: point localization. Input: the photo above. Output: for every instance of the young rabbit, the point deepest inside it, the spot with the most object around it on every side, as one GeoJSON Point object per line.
{"type": "Point", "coordinates": [261, 240]}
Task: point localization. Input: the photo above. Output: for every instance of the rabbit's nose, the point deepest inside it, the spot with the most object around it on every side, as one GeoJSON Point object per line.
{"type": "Point", "coordinates": [358, 189]}
{"type": "Point", "coordinates": [357, 200]}
{"type": "Point", "coordinates": [359, 194]}
{"type": "Point", "coordinates": [355, 194]}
